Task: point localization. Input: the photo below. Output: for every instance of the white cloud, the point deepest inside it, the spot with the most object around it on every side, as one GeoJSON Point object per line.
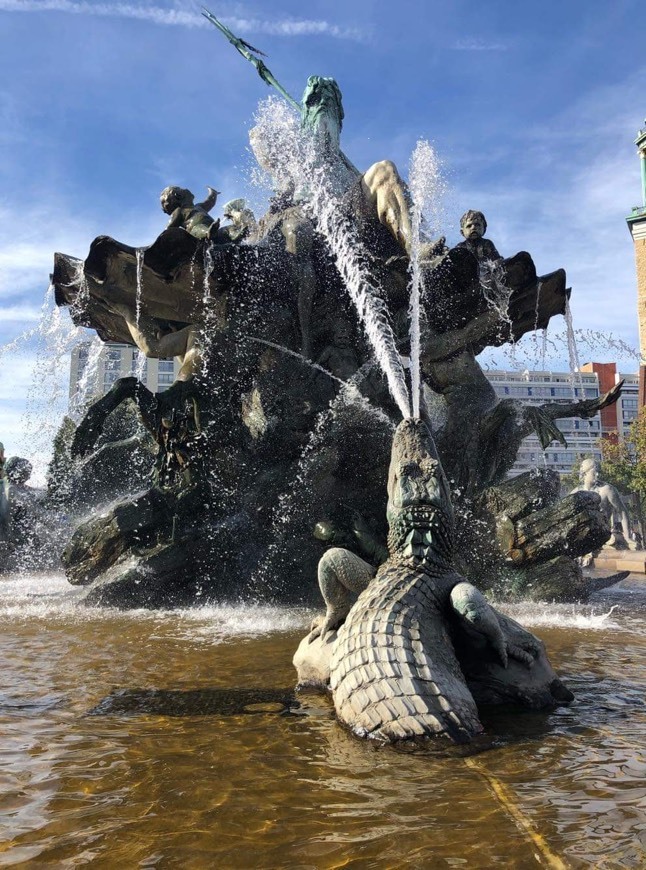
{"type": "Point", "coordinates": [178, 18]}
{"type": "Point", "coordinates": [474, 43]}
{"type": "Point", "coordinates": [19, 313]}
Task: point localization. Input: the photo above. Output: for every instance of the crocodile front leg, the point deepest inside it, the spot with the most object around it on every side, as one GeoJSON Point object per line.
{"type": "Point", "coordinates": [342, 576]}
{"type": "Point", "coordinates": [503, 662]}
{"type": "Point", "coordinates": [474, 609]}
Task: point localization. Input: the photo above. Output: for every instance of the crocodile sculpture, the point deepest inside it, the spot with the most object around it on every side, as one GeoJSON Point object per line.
{"type": "Point", "coordinates": [420, 647]}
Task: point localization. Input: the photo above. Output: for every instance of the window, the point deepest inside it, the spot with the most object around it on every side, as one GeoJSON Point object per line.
{"type": "Point", "coordinates": [113, 361]}
{"type": "Point", "coordinates": [166, 369]}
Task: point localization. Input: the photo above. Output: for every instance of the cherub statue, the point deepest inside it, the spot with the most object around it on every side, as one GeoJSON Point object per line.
{"type": "Point", "coordinates": [340, 356]}
{"type": "Point", "coordinates": [473, 226]}
{"type": "Point", "coordinates": [193, 217]}
{"type": "Point", "coordinates": [243, 221]}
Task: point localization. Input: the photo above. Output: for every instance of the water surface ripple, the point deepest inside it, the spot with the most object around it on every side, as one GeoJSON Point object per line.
{"type": "Point", "coordinates": [175, 739]}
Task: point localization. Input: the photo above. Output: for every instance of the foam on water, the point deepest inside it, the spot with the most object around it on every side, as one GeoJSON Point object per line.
{"type": "Point", "coordinates": [579, 616]}
{"type": "Point", "coordinates": [49, 597]}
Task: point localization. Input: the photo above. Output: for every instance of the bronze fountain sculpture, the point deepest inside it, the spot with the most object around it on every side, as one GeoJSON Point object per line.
{"type": "Point", "coordinates": [237, 303]}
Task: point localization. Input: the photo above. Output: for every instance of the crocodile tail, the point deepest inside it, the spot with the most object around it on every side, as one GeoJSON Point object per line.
{"type": "Point", "coordinates": [394, 674]}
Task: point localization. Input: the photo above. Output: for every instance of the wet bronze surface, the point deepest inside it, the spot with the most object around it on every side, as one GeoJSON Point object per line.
{"type": "Point", "coordinates": [176, 740]}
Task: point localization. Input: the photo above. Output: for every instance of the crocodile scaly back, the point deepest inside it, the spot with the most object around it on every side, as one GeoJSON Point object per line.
{"type": "Point", "coordinates": [394, 674]}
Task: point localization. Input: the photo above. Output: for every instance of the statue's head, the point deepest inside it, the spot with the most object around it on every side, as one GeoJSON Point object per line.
{"type": "Point", "coordinates": [418, 491]}
{"type": "Point", "coordinates": [341, 333]}
{"type": "Point", "coordinates": [18, 470]}
{"type": "Point", "coordinates": [322, 111]}
{"type": "Point", "coordinates": [473, 225]}
{"type": "Point", "coordinates": [233, 208]}
{"type": "Point", "coordinates": [589, 471]}
{"type": "Point", "coordinates": [175, 197]}
{"type": "Point", "coordinates": [323, 94]}
{"type": "Point", "coordinates": [416, 476]}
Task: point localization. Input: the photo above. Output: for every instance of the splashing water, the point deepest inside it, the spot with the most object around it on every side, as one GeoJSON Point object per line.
{"type": "Point", "coordinates": [141, 366]}
{"type": "Point", "coordinates": [79, 280]}
{"type": "Point", "coordinates": [298, 356]}
{"type": "Point", "coordinates": [87, 385]}
{"type": "Point", "coordinates": [140, 283]}
{"type": "Point", "coordinates": [192, 270]}
{"type": "Point", "coordinates": [208, 271]}
{"type": "Point", "coordinates": [553, 352]}
{"type": "Point", "coordinates": [560, 615]}
{"type": "Point", "coordinates": [573, 353]}
{"type": "Point", "coordinates": [322, 185]}
{"type": "Point", "coordinates": [56, 336]}
{"type": "Point", "coordinates": [543, 348]}
{"type": "Point", "coordinates": [497, 293]}
{"type": "Point", "coordinates": [427, 186]}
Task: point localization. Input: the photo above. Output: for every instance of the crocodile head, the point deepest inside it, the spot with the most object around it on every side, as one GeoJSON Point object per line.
{"type": "Point", "coordinates": [420, 514]}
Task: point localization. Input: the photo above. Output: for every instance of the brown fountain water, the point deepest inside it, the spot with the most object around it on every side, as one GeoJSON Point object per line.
{"type": "Point", "coordinates": [175, 739]}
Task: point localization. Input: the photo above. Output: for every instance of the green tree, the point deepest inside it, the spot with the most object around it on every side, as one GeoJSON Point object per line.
{"type": "Point", "coordinates": [624, 462]}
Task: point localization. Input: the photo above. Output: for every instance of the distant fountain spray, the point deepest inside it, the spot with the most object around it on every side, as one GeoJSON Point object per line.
{"type": "Point", "coordinates": [573, 353]}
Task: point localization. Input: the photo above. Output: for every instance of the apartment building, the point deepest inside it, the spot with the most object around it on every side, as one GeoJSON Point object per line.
{"type": "Point", "coordinates": [583, 436]}
{"type": "Point", "coordinates": [95, 367]}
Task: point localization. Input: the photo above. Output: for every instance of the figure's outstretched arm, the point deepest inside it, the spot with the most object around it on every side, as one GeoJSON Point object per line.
{"type": "Point", "coordinates": [584, 408]}
{"type": "Point", "coordinates": [540, 418]}
{"type": "Point", "coordinates": [211, 199]}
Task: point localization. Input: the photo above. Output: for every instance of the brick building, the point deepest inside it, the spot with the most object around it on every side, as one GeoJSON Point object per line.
{"type": "Point", "coordinates": [637, 225]}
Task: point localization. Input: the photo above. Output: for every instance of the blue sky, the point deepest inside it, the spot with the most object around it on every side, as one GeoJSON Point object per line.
{"type": "Point", "coordinates": [533, 109]}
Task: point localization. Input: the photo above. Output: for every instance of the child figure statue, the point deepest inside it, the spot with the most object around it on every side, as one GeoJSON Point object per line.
{"type": "Point", "coordinates": [193, 217]}
{"type": "Point", "coordinates": [473, 226]}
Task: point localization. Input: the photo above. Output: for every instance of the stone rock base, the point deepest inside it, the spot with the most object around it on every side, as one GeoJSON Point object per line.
{"type": "Point", "coordinates": [312, 662]}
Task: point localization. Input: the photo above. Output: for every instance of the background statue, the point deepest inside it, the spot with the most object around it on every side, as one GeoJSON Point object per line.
{"type": "Point", "coordinates": [612, 503]}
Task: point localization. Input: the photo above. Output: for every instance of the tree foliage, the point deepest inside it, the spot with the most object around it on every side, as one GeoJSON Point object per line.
{"type": "Point", "coordinates": [624, 462]}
